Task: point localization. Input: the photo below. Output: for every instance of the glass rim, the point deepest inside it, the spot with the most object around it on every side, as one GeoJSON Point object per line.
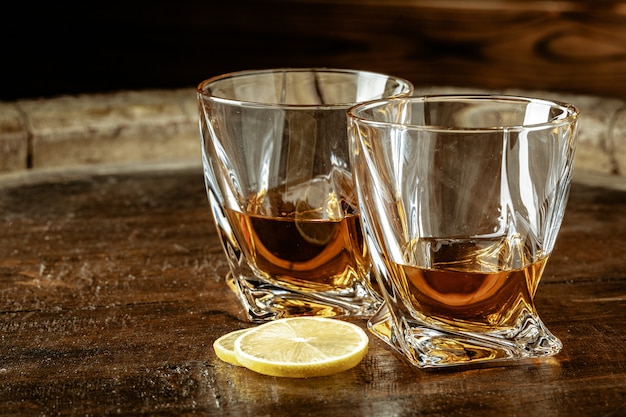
{"type": "Point", "coordinates": [571, 112]}
{"type": "Point", "coordinates": [252, 72]}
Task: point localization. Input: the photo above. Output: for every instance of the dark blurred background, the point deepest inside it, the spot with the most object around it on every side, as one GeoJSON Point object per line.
{"type": "Point", "coordinates": [574, 46]}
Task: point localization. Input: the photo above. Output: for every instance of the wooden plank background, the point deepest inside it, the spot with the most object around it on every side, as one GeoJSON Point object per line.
{"type": "Point", "coordinates": [576, 46]}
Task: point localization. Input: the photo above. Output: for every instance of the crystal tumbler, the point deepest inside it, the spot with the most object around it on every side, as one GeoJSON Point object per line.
{"type": "Point", "coordinates": [461, 200]}
{"type": "Point", "coordinates": [277, 170]}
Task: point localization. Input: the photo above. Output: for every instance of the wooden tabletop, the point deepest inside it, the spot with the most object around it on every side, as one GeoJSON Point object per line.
{"type": "Point", "coordinates": [112, 293]}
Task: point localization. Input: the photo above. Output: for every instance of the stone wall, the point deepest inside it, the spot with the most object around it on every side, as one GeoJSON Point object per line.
{"type": "Point", "coordinates": [161, 126]}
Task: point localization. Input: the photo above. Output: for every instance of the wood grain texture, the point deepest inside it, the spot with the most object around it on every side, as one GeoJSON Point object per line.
{"type": "Point", "coordinates": [112, 292]}
{"type": "Point", "coordinates": [576, 46]}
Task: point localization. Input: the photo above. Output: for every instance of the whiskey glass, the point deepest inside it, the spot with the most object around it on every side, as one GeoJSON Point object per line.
{"type": "Point", "coordinates": [461, 200]}
{"type": "Point", "coordinates": [276, 161]}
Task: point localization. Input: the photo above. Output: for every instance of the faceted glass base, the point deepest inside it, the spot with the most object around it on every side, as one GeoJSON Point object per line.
{"type": "Point", "coordinates": [429, 347]}
{"type": "Point", "coordinates": [264, 301]}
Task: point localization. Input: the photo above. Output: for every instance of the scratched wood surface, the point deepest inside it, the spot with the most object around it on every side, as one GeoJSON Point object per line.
{"type": "Point", "coordinates": [112, 292]}
{"type": "Point", "coordinates": [576, 46]}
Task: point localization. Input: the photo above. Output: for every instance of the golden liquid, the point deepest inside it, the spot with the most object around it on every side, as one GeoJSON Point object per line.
{"type": "Point", "coordinates": [318, 254]}
{"type": "Point", "coordinates": [470, 292]}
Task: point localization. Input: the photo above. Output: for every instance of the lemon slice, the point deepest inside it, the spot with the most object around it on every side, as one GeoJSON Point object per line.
{"type": "Point", "coordinates": [317, 212]}
{"type": "Point", "coordinates": [318, 232]}
{"type": "Point", "coordinates": [301, 347]}
{"type": "Point", "coordinates": [225, 345]}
